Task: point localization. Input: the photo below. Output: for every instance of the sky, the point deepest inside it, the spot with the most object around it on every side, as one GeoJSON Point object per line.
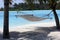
{"type": "Point", "coordinates": [14, 1]}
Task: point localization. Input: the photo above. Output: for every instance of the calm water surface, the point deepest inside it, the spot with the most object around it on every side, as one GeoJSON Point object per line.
{"type": "Point", "coordinates": [13, 21]}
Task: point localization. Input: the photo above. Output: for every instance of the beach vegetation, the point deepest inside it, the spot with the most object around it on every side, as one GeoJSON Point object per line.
{"type": "Point", "coordinates": [29, 5]}
{"type": "Point", "coordinates": [52, 5]}
{"type": "Point", "coordinates": [6, 19]}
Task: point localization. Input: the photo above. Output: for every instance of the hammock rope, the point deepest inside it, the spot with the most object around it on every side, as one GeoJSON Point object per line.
{"type": "Point", "coordinates": [48, 15]}
{"type": "Point", "coordinates": [31, 17]}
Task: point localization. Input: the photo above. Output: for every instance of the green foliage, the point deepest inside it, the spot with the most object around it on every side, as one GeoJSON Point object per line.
{"type": "Point", "coordinates": [30, 5]}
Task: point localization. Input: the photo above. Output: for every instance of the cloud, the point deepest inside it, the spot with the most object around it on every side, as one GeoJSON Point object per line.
{"type": "Point", "coordinates": [14, 1]}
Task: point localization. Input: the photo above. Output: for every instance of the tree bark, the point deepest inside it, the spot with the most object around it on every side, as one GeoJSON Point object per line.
{"type": "Point", "coordinates": [56, 18]}
{"type": "Point", "coordinates": [6, 20]}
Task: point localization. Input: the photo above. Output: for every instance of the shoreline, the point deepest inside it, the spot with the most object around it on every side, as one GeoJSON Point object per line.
{"type": "Point", "coordinates": [34, 31]}
{"type": "Point", "coordinates": [30, 27]}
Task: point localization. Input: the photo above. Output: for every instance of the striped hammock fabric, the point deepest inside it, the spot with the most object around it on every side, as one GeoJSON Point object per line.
{"type": "Point", "coordinates": [31, 17]}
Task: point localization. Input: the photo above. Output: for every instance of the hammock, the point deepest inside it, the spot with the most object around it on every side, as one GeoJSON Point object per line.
{"type": "Point", "coordinates": [31, 17]}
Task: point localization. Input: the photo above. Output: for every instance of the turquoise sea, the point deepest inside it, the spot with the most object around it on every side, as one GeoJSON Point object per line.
{"type": "Point", "coordinates": [17, 21]}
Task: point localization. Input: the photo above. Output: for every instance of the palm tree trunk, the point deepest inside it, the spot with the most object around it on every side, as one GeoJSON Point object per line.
{"type": "Point", "coordinates": [56, 18]}
{"type": "Point", "coordinates": [6, 20]}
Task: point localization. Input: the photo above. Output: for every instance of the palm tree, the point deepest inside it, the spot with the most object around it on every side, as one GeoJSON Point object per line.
{"type": "Point", "coordinates": [6, 20]}
{"type": "Point", "coordinates": [53, 4]}
{"type": "Point", "coordinates": [41, 4]}
{"type": "Point", "coordinates": [15, 5]}
{"type": "Point", "coordinates": [30, 4]}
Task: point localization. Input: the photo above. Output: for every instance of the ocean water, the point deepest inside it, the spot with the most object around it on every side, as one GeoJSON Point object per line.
{"type": "Point", "coordinates": [17, 21]}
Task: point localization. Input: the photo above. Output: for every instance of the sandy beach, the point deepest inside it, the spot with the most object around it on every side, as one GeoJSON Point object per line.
{"type": "Point", "coordinates": [38, 31]}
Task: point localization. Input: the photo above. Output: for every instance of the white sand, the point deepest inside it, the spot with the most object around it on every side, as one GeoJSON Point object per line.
{"type": "Point", "coordinates": [32, 27]}
{"type": "Point", "coordinates": [32, 32]}
{"type": "Point", "coordinates": [54, 35]}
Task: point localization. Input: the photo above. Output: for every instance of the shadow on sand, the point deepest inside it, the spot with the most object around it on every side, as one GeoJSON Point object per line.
{"type": "Point", "coordinates": [40, 33]}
